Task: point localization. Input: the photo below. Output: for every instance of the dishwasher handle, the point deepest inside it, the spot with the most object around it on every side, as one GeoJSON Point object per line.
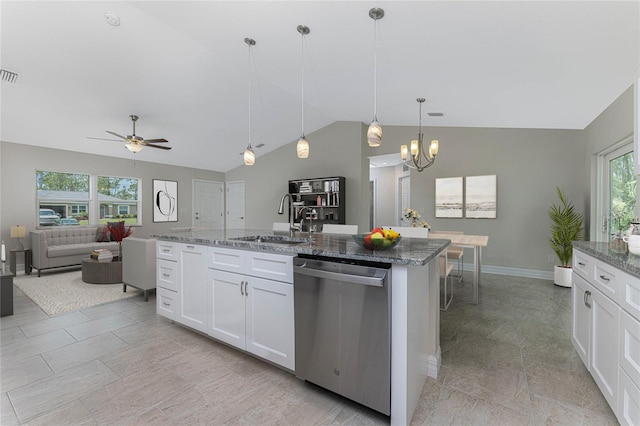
{"type": "Point", "coordinates": [376, 281]}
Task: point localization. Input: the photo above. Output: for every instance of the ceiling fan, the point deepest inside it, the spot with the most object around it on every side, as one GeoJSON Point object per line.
{"type": "Point", "coordinates": [135, 143]}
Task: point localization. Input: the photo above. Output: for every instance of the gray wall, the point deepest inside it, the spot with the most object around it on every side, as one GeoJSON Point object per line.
{"type": "Point", "coordinates": [335, 150]}
{"type": "Point", "coordinates": [18, 182]}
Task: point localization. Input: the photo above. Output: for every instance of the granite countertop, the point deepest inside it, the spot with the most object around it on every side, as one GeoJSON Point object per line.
{"type": "Point", "coordinates": [628, 262]}
{"type": "Point", "coordinates": [409, 251]}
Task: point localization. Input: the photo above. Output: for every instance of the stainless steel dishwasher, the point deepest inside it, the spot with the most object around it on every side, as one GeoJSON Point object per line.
{"type": "Point", "coordinates": [343, 328]}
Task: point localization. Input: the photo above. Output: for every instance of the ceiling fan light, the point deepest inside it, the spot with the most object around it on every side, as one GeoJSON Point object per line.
{"type": "Point", "coordinates": [374, 134]}
{"type": "Point", "coordinates": [249, 156]}
{"type": "Point", "coordinates": [302, 148]}
{"type": "Point", "coordinates": [134, 147]}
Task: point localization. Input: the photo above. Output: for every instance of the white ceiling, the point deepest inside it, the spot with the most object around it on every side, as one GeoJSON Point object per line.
{"type": "Point", "coordinates": [183, 68]}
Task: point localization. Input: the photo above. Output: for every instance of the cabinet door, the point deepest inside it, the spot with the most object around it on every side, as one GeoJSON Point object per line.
{"type": "Point", "coordinates": [604, 345]}
{"type": "Point", "coordinates": [227, 307]}
{"type": "Point", "coordinates": [192, 286]}
{"type": "Point", "coordinates": [629, 349]}
{"type": "Point", "coordinates": [581, 318]}
{"type": "Point", "coordinates": [270, 329]}
{"type": "Point", "coordinates": [628, 411]}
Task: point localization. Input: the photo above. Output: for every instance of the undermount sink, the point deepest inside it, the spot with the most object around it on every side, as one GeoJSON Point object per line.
{"type": "Point", "coordinates": [272, 239]}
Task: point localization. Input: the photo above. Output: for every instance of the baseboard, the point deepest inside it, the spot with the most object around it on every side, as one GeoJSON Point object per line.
{"type": "Point", "coordinates": [516, 272]}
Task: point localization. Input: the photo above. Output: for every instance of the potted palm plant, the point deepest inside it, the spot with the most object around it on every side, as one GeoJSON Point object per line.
{"type": "Point", "coordinates": [566, 227]}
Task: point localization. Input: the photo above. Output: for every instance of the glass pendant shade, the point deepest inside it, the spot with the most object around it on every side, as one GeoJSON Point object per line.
{"type": "Point", "coordinates": [303, 147]}
{"type": "Point", "coordinates": [134, 147]}
{"type": "Point", "coordinates": [404, 152]}
{"type": "Point", "coordinates": [414, 147]}
{"type": "Point", "coordinates": [433, 148]}
{"type": "Point", "coordinates": [374, 134]}
{"type": "Point", "coordinates": [249, 156]}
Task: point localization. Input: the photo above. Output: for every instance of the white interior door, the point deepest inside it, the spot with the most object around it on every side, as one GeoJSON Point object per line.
{"type": "Point", "coordinates": [235, 205]}
{"type": "Point", "coordinates": [405, 199]}
{"type": "Point", "coordinates": [208, 204]}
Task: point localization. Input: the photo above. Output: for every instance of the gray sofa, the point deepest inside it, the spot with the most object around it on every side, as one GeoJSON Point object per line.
{"type": "Point", "coordinates": [61, 246]}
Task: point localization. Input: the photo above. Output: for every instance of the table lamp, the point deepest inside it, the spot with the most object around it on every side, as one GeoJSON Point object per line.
{"type": "Point", "coordinates": [18, 231]}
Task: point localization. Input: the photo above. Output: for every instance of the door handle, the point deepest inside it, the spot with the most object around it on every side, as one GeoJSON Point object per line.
{"type": "Point", "coordinates": [246, 290]}
{"type": "Point", "coordinates": [241, 290]}
{"type": "Point", "coordinates": [586, 299]}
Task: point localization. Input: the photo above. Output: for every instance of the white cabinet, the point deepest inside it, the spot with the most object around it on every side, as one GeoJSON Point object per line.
{"type": "Point", "coordinates": [167, 299]}
{"type": "Point", "coordinates": [581, 320]}
{"type": "Point", "coordinates": [604, 345]}
{"type": "Point", "coordinates": [192, 286]}
{"type": "Point", "coordinates": [606, 331]}
{"type": "Point", "coordinates": [248, 311]}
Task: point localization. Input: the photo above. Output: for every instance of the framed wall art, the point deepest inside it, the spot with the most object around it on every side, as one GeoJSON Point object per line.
{"type": "Point", "coordinates": [165, 201]}
{"type": "Point", "coordinates": [480, 201]}
{"type": "Point", "coordinates": [449, 197]}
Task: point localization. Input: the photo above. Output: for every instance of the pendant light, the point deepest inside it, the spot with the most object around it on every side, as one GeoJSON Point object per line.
{"type": "Point", "coordinates": [420, 159]}
{"type": "Point", "coordinates": [302, 148]}
{"type": "Point", "coordinates": [374, 133]}
{"type": "Point", "coordinates": [249, 155]}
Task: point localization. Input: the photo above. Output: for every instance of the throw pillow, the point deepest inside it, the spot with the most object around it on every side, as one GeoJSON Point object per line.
{"type": "Point", "coordinates": [103, 234]}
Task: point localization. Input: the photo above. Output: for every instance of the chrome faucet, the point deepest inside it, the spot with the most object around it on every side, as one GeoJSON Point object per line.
{"type": "Point", "coordinates": [292, 228]}
{"type": "Point", "coordinates": [304, 210]}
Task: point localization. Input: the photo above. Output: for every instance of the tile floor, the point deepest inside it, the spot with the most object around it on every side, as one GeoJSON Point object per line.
{"type": "Point", "coordinates": [506, 361]}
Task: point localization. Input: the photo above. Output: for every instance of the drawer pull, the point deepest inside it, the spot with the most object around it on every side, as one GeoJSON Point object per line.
{"type": "Point", "coordinates": [166, 275]}
{"type": "Point", "coordinates": [582, 264]}
{"type": "Point", "coordinates": [604, 278]}
{"type": "Point", "coordinates": [166, 304]}
{"type": "Point", "coordinates": [586, 299]}
{"type": "Point", "coordinates": [191, 247]}
{"type": "Point", "coordinates": [166, 250]}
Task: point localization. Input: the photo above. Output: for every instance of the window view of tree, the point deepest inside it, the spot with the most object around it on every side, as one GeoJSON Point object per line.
{"type": "Point", "coordinates": [68, 195]}
{"type": "Point", "coordinates": [622, 191]}
{"type": "Point", "coordinates": [118, 199]}
{"type": "Point", "coordinates": [59, 195]}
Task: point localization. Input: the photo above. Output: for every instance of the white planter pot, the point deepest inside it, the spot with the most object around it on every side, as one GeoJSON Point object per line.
{"type": "Point", "coordinates": [562, 276]}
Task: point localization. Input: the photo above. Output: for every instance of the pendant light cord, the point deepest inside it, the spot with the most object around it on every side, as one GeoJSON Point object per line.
{"type": "Point", "coordinates": [302, 85]}
{"type": "Point", "coordinates": [375, 70]}
{"type": "Point", "coordinates": [249, 80]}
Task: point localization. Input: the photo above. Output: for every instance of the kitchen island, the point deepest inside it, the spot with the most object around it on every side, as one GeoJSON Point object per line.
{"type": "Point", "coordinates": [414, 310]}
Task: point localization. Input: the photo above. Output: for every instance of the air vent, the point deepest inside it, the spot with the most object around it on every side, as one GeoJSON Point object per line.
{"type": "Point", "coordinates": [10, 76]}
{"type": "Point", "coordinates": [435, 114]}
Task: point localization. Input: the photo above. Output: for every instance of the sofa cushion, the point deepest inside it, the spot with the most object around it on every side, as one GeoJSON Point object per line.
{"type": "Point", "coordinates": [69, 250]}
{"type": "Point", "coordinates": [102, 234]}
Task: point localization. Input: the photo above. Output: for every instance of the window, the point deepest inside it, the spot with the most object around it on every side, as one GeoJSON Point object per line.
{"type": "Point", "coordinates": [61, 195]}
{"type": "Point", "coordinates": [58, 193]}
{"type": "Point", "coordinates": [618, 189]}
{"type": "Point", "coordinates": [118, 197]}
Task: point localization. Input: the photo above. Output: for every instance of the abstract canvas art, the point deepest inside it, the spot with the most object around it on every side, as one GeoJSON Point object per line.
{"type": "Point", "coordinates": [165, 201]}
{"type": "Point", "coordinates": [480, 200]}
{"type": "Point", "coordinates": [449, 197]}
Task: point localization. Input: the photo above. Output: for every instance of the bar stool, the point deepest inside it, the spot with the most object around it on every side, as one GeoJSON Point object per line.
{"type": "Point", "coordinates": [455, 252]}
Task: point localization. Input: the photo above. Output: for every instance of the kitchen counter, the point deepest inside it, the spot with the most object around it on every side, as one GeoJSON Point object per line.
{"type": "Point", "coordinates": [410, 251]}
{"type": "Point", "coordinates": [415, 304]}
{"type": "Point", "coordinates": [627, 262]}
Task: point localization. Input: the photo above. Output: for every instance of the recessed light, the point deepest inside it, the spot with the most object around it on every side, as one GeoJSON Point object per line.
{"type": "Point", "coordinates": [112, 19]}
{"type": "Point", "coordinates": [435, 114]}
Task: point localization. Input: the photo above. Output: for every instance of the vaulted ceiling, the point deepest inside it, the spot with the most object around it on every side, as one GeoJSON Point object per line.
{"type": "Point", "coordinates": [183, 68]}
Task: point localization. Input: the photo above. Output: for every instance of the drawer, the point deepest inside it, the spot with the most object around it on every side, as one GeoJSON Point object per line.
{"type": "Point", "coordinates": [224, 259]}
{"type": "Point", "coordinates": [167, 274]}
{"type": "Point", "coordinates": [629, 297]}
{"type": "Point", "coordinates": [167, 303]}
{"type": "Point", "coordinates": [628, 411]}
{"type": "Point", "coordinates": [583, 265]}
{"type": "Point", "coordinates": [166, 250]}
{"type": "Point", "coordinates": [605, 279]}
{"type": "Point", "coordinates": [629, 346]}
{"type": "Point", "coordinates": [271, 266]}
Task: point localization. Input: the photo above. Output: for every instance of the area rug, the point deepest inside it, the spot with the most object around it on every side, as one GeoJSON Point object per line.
{"type": "Point", "coordinates": [60, 292]}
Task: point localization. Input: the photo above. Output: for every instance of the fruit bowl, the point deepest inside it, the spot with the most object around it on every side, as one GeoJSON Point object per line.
{"type": "Point", "coordinates": [382, 244]}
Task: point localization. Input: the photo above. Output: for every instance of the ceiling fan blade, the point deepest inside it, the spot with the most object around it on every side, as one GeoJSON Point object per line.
{"type": "Point", "coordinates": [103, 139]}
{"type": "Point", "coordinates": [156, 140]}
{"type": "Point", "coordinates": [156, 146]}
{"type": "Point", "coordinates": [115, 134]}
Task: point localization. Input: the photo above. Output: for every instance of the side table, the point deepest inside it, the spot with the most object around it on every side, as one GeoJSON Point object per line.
{"type": "Point", "coordinates": [6, 292]}
{"type": "Point", "coordinates": [27, 260]}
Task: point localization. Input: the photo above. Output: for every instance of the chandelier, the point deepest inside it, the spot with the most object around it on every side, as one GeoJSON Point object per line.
{"type": "Point", "coordinates": [420, 159]}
